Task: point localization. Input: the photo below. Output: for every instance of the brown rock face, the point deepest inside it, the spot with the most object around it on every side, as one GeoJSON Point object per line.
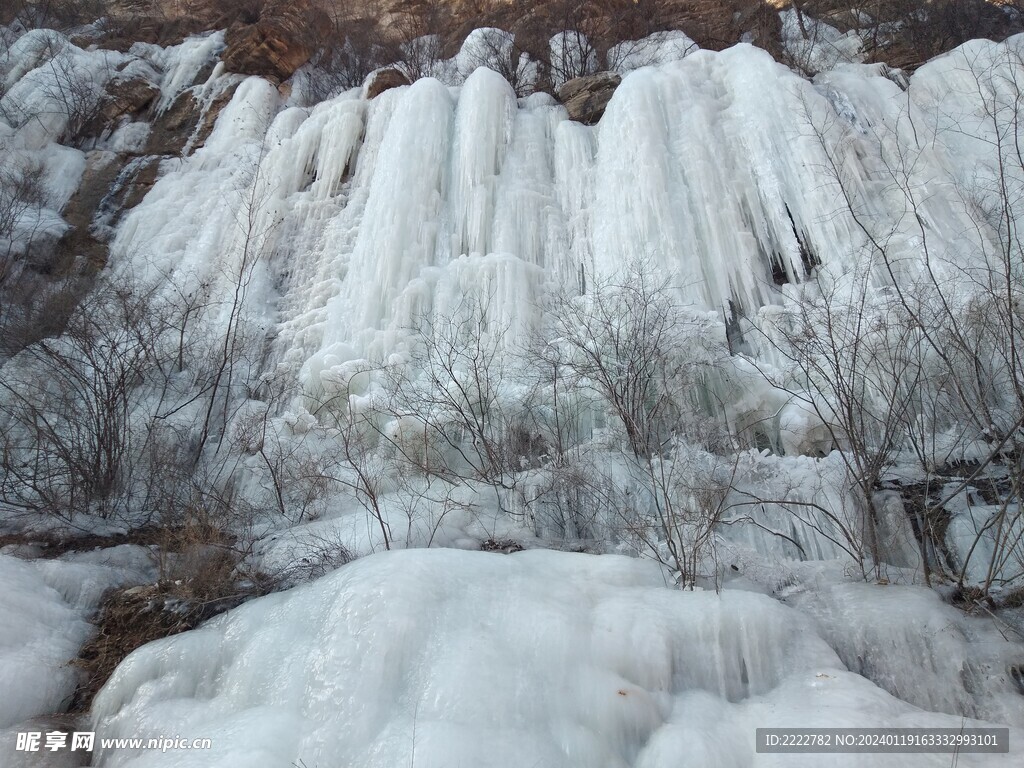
{"type": "Point", "coordinates": [278, 43]}
{"type": "Point", "coordinates": [129, 97]}
{"type": "Point", "coordinates": [586, 97]}
{"type": "Point", "coordinates": [79, 242]}
{"type": "Point", "coordinates": [384, 80]}
{"type": "Point", "coordinates": [170, 132]}
{"type": "Point", "coordinates": [124, 98]}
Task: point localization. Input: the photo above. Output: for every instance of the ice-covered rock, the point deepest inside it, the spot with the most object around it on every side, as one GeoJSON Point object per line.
{"type": "Point", "coordinates": [961, 665]}
{"type": "Point", "coordinates": [384, 79]}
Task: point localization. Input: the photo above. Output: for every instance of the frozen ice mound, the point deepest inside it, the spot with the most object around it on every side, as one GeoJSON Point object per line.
{"type": "Point", "coordinates": [44, 605]}
{"type": "Point", "coordinates": [540, 659]}
{"type": "Point", "coordinates": [40, 633]}
{"type": "Point", "coordinates": [908, 641]}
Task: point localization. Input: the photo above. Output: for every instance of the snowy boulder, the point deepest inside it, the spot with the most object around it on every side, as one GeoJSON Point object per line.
{"type": "Point", "coordinates": [802, 432]}
{"type": "Point", "coordinates": [349, 378]}
{"type": "Point", "coordinates": [301, 421]}
{"type": "Point", "coordinates": [418, 442]}
{"type": "Point", "coordinates": [586, 97]}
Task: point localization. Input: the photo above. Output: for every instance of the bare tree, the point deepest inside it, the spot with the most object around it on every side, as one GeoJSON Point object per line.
{"type": "Point", "coordinates": [929, 362]}
{"type": "Point", "coordinates": [22, 198]}
{"type": "Point", "coordinates": [497, 50]}
{"type": "Point", "coordinates": [348, 51]}
{"type": "Point", "coordinates": [647, 362]}
{"type": "Point", "coordinates": [68, 402]}
{"type": "Point", "coordinates": [53, 14]}
{"type": "Point", "coordinates": [454, 389]}
{"type": "Point", "coordinates": [639, 350]}
{"type": "Point", "coordinates": [422, 28]}
{"type": "Point", "coordinates": [234, 365]}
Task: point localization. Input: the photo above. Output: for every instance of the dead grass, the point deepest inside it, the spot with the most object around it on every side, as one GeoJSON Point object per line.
{"type": "Point", "coordinates": [199, 580]}
{"type": "Point", "coordinates": [130, 618]}
{"type": "Point", "coordinates": [971, 599]}
{"type": "Point", "coordinates": [1013, 598]}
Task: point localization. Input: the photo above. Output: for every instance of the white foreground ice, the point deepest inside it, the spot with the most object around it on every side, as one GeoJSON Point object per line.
{"type": "Point", "coordinates": [46, 605]}
{"type": "Point", "coordinates": [440, 658]}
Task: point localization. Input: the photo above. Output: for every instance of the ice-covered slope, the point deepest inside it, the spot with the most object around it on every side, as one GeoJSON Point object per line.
{"type": "Point", "coordinates": [38, 644]}
{"type": "Point", "coordinates": [437, 658]}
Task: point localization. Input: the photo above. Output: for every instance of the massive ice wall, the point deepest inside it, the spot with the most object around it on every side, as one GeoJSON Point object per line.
{"type": "Point", "coordinates": [304, 240]}
{"type": "Point", "coordinates": [726, 172]}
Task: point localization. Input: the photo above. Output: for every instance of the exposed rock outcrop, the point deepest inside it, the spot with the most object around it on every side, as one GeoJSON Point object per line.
{"type": "Point", "coordinates": [383, 80]}
{"type": "Point", "coordinates": [128, 97]}
{"type": "Point", "coordinates": [586, 97]}
{"type": "Point", "coordinates": [278, 43]}
{"type": "Point", "coordinates": [79, 243]}
{"type": "Point", "coordinates": [125, 98]}
{"type": "Point", "coordinates": [186, 125]}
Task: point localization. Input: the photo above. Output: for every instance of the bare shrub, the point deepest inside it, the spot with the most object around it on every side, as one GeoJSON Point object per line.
{"type": "Point", "coordinates": [348, 52]}
{"type": "Point", "coordinates": [67, 404]}
{"type": "Point", "coordinates": [421, 28]}
{"type": "Point", "coordinates": [645, 356]}
{"type": "Point", "coordinates": [497, 50]}
{"type": "Point", "coordinates": [453, 388]}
